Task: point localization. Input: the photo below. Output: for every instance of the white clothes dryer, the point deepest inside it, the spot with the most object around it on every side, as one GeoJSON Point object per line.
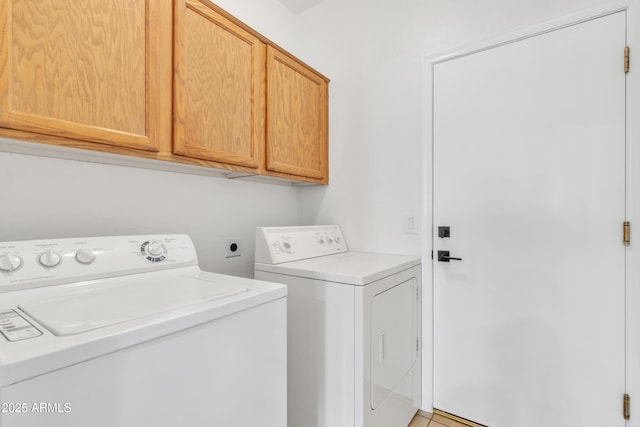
{"type": "Point", "coordinates": [354, 357]}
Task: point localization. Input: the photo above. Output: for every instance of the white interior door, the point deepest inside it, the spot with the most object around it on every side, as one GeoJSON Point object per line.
{"type": "Point", "coordinates": [529, 174]}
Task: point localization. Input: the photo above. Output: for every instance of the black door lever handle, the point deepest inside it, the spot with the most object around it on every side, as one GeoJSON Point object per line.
{"type": "Point", "coordinates": [443, 256]}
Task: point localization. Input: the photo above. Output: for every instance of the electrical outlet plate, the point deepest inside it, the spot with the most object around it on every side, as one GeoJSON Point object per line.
{"type": "Point", "coordinates": [233, 247]}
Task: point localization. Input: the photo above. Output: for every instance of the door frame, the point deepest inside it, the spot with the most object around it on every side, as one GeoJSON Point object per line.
{"type": "Point", "coordinates": [632, 208]}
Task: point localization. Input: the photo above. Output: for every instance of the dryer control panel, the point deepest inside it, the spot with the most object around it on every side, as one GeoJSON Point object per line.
{"type": "Point", "coordinates": [275, 245]}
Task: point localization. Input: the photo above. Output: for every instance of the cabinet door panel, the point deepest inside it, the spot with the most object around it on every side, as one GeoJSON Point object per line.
{"type": "Point", "coordinates": [219, 88]}
{"type": "Point", "coordinates": [297, 118]}
{"type": "Point", "coordinates": [86, 70]}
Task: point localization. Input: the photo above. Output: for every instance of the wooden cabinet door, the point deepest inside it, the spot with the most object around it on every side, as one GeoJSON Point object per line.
{"type": "Point", "coordinates": [89, 70]}
{"type": "Point", "coordinates": [297, 118]}
{"type": "Point", "coordinates": [218, 88]}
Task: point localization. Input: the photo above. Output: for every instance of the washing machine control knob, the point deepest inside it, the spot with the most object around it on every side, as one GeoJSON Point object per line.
{"type": "Point", "coordinates": [85, 256]}
{"type": "Point", "coordinates": [49, 258]}
{"type": "Point", "coordinates": [154, 251]}
{"type": "Point", "coordinates": [10, 262]}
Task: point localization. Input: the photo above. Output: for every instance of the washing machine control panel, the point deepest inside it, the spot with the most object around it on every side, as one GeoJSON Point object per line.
{"type": "Point", "coordinates": [275, 245]}
{"type": "Point", "coordinates": [15, 327]}
{"type": "Point", "coordinates": [36, 263]}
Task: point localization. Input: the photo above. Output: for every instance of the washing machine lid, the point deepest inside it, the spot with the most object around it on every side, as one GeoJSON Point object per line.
{"type": "Point", "coordinates": [81, 310]}
{"type": "Point", "coordinates": [353, 268]}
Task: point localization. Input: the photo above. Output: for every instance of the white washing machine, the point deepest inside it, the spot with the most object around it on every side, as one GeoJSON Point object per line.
{"type": "Point", "coordinates": [129, 332]}
{"type": "Point", "coordinates": [353, 328]}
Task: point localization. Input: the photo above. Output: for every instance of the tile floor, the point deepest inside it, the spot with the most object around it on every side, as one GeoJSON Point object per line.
{"type": "Point", "coordinates": [424, 419]}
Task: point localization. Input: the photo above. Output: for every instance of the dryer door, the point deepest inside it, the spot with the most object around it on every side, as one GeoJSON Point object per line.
{"type": "Point", "coordinates": [394, 333]}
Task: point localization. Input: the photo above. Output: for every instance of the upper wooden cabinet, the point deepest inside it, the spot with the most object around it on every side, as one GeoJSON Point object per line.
{"type": "Point", "coordinates": [89, 70]}
{"type": "Point", "coordinates": [297, 118]}
{"type": "Point", "coordinates": [173, 80]}
{"type": "Point", "coordinates": [222, 111]}
{"type": "Point", "coordinates": [218, 87]}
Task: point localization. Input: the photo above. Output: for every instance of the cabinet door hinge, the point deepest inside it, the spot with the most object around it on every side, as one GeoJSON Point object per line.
{"type": "Point", "coordinates": [417, 344]}
{"type": "Point", "coordinates": [625, 406]}
{"type": "Point", "coordinates": [626, 233]}
{"type": "Point", "coordinates": [626, 59]}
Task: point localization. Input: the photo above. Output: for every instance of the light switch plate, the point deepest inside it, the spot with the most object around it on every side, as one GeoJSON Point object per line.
{"type": "Point", "coordinates": [411, 225]}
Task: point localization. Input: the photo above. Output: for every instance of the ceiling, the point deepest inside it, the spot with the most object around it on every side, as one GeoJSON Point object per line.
{"type": "Point", "coordinates": [297, 6]}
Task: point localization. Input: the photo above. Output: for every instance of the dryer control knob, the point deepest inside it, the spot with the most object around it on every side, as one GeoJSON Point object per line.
{"type": "Point", "coordinates": [50, 258]}
{"type": "Point", "coordinates": [10, 262]}
{"type": "Point", "coordinates": [85, 256]}
{"type": "Point", "coordinates": [285, 246]}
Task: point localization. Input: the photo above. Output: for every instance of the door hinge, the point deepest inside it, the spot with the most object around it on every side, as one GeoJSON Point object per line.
{"type": "Point", "coordinates": [417, 344]}
{"type": "Point", "coordinates": [626, 233]}
{"type": "Point", "coordinates": [626, 59]}
{"type": "Point", "coordinates": [625, 406]}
